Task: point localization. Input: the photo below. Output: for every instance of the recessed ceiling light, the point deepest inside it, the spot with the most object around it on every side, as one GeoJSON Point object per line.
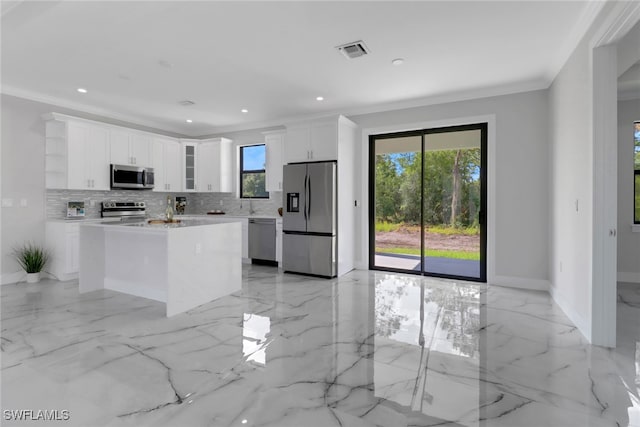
{"type": "Point", "coordinates": [319, 98]}
{"type": "Point", "coordinates": [398, 61]}
{"type": "Point", "coordinates": [244, 110]}
{"type": "Point", "coordinates": [189, 121]}
{"type": "Point", "coordinates": [82, 90]}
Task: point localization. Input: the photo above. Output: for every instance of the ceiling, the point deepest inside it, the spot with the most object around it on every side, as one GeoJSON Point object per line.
{"type": "Point", "coordinates": [138, 60]}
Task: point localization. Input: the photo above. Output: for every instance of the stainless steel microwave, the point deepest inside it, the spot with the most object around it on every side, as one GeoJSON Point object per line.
{"type": "Point", "coordinates": [131, 177]}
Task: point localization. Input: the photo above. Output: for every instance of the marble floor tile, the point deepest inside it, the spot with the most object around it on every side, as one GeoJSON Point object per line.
{"type": "Point", "coordinates": [366, 349]}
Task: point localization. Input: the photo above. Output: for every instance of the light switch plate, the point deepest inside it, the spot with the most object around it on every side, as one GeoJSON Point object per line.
{"type": "Point", "coordinates": [7, 203]}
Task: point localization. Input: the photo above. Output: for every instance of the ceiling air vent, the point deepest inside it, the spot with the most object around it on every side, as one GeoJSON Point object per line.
{"type": "Point", "coordinates": [186, 103]}
{"type": "Point", "coordinates": [354, 49]}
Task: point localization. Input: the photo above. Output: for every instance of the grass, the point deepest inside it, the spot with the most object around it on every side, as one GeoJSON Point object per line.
{"type": "Point", "coordinates": [449, 231]}
{"type": "Point", "coordinates": [473, 256]}
{"type": "Point", "coordinates": [385, 227]}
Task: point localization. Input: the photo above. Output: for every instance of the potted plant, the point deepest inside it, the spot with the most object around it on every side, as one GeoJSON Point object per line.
{"type": "Point", "coordinates": [32, 258]}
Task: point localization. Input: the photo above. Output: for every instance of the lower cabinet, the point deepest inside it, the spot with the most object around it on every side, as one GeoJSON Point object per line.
{"type": "Point", "coordinates": [63, 241]}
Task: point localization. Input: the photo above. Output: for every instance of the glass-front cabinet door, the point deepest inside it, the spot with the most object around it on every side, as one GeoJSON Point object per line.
{"type": "Point", "coordinates": [189, 153]}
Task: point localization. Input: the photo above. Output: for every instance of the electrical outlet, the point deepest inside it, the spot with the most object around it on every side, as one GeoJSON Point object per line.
{"type": "Point", "coordinates": [92, 203]}
{"type": "Point", "coordinates": [23, 203]}
{"type": "Point", "coordinates": [198, 248]}
{"type": "Point", "coordinates": [221, 202]}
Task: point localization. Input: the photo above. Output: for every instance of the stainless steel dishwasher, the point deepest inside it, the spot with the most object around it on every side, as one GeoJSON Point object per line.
{"type": "Point", "coordinates": [262, 241]}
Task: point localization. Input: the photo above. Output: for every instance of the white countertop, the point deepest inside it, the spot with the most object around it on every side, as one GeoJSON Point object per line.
{"type": "Point", "coordinates": [145, 226]}
{"type": "Point", "coordinates": [100, 220]}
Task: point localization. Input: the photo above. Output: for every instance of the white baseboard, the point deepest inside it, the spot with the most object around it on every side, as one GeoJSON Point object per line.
{"type": "Point", "coordinates": [581, 323]}
{"type": "Point", "coordinates": [21, 276]}
{"type": "Point", "coordinates": [521, 283]}
{"type": "Point", "coordinates": [361, 265]}
{"type": "Point", "coordinates": [9, 278]}
{"type": "Point", "coordinates": [628, 277]}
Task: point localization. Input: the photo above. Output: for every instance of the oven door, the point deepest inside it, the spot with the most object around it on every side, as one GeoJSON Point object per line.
{"type": "Point", "coordinates": [124, 176]}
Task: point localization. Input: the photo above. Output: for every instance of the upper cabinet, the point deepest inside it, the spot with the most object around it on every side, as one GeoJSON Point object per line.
{"type": "Point", "coordinates": [274, 141]}
{"type": "Point", "coordinates": [315, 141]}
{"type": "Point", "coordinates": [77, 154]}
{"type": "Point", "coordinates": [166, 160]}
{"type": "Point", "coordinates": [189, 165]}
{"type": "Point", "coordinates": [214, 166]}
{"type": "Point", "coordinates": [130, 147]}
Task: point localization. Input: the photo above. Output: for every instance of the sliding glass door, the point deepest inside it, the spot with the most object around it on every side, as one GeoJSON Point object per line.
{"type": "Point", "coordinates": [427, 202]}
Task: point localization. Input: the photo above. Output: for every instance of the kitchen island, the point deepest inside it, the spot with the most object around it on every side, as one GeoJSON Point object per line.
{"type": "Point", "coordinates": [183, 264]}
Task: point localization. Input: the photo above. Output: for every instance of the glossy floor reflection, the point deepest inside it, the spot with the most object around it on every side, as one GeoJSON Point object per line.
{"type": "Point", "coordinates": [368, 349]}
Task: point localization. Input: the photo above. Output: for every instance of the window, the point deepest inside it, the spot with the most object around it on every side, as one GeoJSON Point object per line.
{"type": "Point", "coordinates": [636, 170]}
{"type": "Point", "coordinates": [252, 173]}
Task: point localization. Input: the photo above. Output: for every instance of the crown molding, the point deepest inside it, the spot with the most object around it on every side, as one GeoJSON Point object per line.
{"type": "Point", "coordinates": [488, 92]}
{"type": "Point", "coordinates": [622, 17]}
{"type": "Point", "coordinates": [85, 108]}
{"type": "Point", "coordinates": [468, 95]}
{"type": "Point", "coordinates": [629, 95]}
{"type": "Point", "coordinates": [579, 30]}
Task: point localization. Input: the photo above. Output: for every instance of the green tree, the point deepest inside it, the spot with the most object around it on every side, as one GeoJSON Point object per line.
{"type": "Point", "coordinates": [387, 197]}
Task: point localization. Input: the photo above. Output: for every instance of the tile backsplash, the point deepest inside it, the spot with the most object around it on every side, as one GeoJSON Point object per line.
{"type": "Point", "coordinates": [197, 203]}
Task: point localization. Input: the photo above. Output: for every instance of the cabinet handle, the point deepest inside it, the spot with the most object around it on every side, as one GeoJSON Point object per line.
{"type": "Point", "coordinates": [312, 154]}
{"type": "Point", "coordinates": [88, 183]}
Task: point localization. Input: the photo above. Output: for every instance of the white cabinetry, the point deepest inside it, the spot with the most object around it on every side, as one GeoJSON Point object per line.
{"type": "Point", "coordinates": [77, 154]}
{"type": "Point", "coordinates": [314, 141]}
{"type": "Point", "coordinates": [332, 138]}
{"type": "Point", "coordinates": [274, 141]}
{"type": "Point", "coordinates": [166, 160]}
{"type": "Point", "coordinates": [129, 147]}
{"type": "Point", "coordinates": [214, 166]}
{"type": "Point", "coordinates": [63, 240]}
{"type": "Point", "coordinates": [189, 165]}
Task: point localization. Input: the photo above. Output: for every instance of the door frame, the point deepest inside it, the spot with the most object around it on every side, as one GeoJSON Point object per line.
{"type": "Point", "coordinates": [483, 126]}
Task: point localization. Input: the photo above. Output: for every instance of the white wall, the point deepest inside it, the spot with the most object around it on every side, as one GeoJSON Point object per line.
{"type": "Point", "coordinates": [23, 174]}
{"type": "Point", "coordinates": [521, 183]}
{"type": "Point", "coordinates": [571, 175]}
{"type": "Point", "coordinates": [628, 241]}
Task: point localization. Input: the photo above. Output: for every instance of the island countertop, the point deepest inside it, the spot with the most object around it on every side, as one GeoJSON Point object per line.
{"type": "Point", "coordinates": [160, 227]}
{"type": "Point", "coordinates": [183, 264]}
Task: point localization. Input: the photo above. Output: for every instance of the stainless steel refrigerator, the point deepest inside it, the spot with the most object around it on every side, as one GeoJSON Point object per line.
{"type": "Point", "coordinates": [309, 243]}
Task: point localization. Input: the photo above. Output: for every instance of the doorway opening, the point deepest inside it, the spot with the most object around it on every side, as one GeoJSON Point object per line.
{"type": "Point", "coordinates": [427, 202]}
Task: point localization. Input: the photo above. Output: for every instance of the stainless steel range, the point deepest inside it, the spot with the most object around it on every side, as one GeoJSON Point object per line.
{"type": "Point", "coordinates": [124, 210]}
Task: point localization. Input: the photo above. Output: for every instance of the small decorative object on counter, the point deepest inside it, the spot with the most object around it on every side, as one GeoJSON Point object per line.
{"type": "Point", "coordinates": [32, 258]}
{"type": "Point", "coordinates": [181, 204]}
{"type": "Point", "coordinates": [168, 213]}
{"type": "Point", "coordinates": [280, 211]}
{"type": "Point", "coordinates": [75, 209]}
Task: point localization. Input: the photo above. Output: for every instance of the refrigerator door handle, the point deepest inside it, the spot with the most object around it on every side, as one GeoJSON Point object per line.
{"type": "Point", "coordinates": [305, 197]}
{"type": "Point", "coordinates": [309, 193]}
